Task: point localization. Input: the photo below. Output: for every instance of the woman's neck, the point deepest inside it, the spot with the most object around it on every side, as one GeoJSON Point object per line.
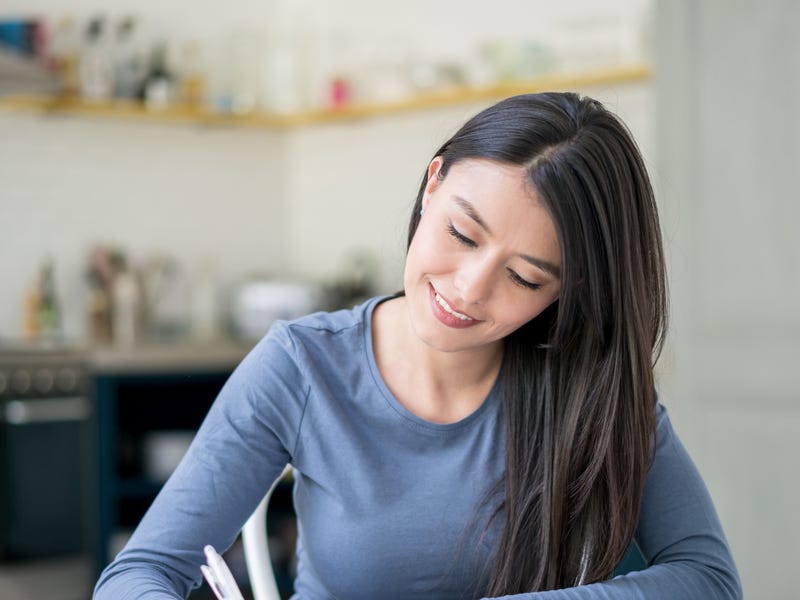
{"type": "Point", "coordinates": [441, 387]}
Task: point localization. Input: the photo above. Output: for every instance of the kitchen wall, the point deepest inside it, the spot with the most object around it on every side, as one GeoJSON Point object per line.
{"type": "Point", "coordinates": [300, 202]}
{"type": "Point", "coordinates": [200, 195]}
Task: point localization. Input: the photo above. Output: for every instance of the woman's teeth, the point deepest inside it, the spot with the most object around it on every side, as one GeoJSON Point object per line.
{"type": "Point", "coordinates": [447, 307]}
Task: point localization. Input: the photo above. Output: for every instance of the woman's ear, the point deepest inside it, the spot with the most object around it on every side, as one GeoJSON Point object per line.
{"type": "Point", "coordinates": [433, 180]}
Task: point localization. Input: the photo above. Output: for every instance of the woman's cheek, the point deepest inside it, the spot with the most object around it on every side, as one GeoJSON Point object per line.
{"type": "Point", "coordinates": [425, 247]}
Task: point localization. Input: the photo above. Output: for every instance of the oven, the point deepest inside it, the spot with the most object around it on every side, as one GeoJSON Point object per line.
{"type": "Point", "coordinates": [45, 453]}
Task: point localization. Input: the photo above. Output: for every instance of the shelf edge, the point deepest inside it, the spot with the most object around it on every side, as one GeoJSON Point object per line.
{"type": "Point", "coordinates": [128, 110]}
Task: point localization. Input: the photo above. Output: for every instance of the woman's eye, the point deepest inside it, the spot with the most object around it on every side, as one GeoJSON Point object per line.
{"type": "Point", "coordinates": [459, 237]}
{"type": "Point", "coordinates": [523, 282]}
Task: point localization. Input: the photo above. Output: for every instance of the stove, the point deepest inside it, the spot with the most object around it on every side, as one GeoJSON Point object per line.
{"type": "Point", "coordinates": [45, 451]}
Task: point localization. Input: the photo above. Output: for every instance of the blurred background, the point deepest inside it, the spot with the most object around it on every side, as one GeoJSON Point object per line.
{"type": "Point", "coordinates": [175, 176]}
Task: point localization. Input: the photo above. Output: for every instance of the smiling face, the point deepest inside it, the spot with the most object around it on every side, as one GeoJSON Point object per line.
{"type": "Point", "coordinates": [485, 258]}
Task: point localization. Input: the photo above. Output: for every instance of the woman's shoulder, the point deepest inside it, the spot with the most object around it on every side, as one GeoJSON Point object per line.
{"type": "Point", "coordinates": [329, 322]}
{"type": "Point", "coordinates": [335, 320]}
{"type": "Point", "coordinates": [331, 331]}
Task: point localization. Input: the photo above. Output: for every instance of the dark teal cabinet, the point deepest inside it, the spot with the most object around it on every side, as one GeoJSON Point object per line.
{"type": "Point", "coordinates": [129, 406]}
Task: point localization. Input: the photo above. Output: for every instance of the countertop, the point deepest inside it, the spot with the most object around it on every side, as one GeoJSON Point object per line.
{"type": "Point", "coordinates": [161, 358]}
{"type": "Point", "coordinates": [177, 356]}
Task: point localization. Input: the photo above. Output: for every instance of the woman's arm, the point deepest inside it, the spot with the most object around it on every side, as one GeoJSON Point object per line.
{"type": "Point", "coordinates": [679, 535]}
{"type": "Point", "coordinates": [241, 448]}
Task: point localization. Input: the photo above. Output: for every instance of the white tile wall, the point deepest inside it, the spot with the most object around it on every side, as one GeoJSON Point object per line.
{"type": "Point", "coordinates": [195, 193]}
{"type": "Point", "coordinates": [298, 202]}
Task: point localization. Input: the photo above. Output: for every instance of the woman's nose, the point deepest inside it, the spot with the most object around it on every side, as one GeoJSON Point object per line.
{"type": "Point", "coordinates": [474, 281]}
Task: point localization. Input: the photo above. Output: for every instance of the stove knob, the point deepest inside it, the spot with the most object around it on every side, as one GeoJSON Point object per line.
{"type": "Point", "coordinates": [67, 380]}
{"type": "Point", "coordinates": [43, 381]}
{"type": "Point", "coordinates": [21, 381]}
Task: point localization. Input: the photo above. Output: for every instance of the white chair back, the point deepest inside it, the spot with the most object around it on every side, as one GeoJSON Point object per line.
{"type": "Point", "coordinates": [256, 548]}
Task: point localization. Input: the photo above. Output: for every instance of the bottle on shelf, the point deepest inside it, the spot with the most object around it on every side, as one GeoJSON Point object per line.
{"type": "Point", "coordinates": [96, 69]}
{"type": "Point", "coordinates": [48, 311]}
{"type": "Point", "coordinates": [64, 53]}
{"type": "Point", "coordinates": [204, 305]}
{"type": "Point", "coordinates": [99, 314]}
{"type": "Point", "coordinates": [159, 86]}
{"type": "Point", "coordinates": [102, 267]}
{"type": "Point", "coordinates": [30, 314]}
{"type": "Point", "coordinates": [130, 60]}
{"type": "Point", "coordinates": [192, 83]}
{"type": "Point", "coordinates": [126, 307]}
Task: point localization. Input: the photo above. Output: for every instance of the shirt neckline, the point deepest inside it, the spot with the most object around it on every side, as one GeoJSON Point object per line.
{"type": "Point", "coordinates": [393, 403]}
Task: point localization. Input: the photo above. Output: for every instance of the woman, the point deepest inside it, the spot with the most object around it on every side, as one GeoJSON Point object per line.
{"type": "Point", "coordinates": [491, 431]}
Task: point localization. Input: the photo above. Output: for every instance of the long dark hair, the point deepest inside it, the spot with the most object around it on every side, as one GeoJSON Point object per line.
{"type": "Point", "coordinates": [577, 381]}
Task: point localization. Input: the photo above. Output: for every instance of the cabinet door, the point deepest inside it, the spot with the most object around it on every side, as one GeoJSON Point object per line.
{"type": "Point", "coordinates": [133, 410]}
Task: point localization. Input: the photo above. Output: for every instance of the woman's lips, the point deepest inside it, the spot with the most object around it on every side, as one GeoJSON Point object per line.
{"type": "Point", "coordinates": [446, 314]}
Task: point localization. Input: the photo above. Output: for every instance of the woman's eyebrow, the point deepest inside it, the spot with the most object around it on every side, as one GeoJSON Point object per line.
{"type": "Point", "coordinates": [470, 211]}
{"type": "Point", "coordinates": [544, 265]}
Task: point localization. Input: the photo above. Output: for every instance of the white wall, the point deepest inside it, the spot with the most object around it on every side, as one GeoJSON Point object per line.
{"type": "Point", "coordinates": [728, 132]}
{"type": "Point", "coordinates": [196, 194]}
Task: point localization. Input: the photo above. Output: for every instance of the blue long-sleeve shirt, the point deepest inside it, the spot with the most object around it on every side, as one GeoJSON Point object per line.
{"type": "Point", "coordinates": [389, 505]}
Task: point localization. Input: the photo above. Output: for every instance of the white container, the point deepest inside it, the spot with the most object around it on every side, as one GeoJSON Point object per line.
{"type": "Point", "coordinates": [257, 304]}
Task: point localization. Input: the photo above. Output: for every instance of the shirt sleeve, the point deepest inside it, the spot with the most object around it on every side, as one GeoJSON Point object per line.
{"type": "Point", "coordinates": [242, 446]}
{"type": "Point", "coordinates": [679, 535]}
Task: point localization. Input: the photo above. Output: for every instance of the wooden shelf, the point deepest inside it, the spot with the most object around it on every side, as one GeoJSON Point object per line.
{"type": "Point", "coordinates": [117, 109]}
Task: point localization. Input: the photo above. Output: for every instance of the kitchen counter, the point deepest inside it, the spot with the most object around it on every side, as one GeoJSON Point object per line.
{"type": "Point", "coordinates": [163, 358]}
